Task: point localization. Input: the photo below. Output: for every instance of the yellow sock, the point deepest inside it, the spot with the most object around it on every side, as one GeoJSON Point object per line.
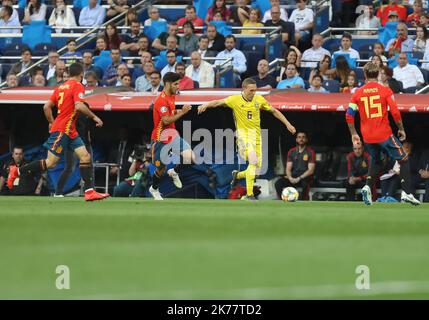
{"type": "Point", "coordinates": [241, 175]}
{"type": "Point", "coordinates": [250, 178]}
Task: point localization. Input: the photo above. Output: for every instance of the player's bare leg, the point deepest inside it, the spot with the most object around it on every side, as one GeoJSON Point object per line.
{"type": "Point", "coordinates": [33, 168]}
{"type": "Point", "coordinates": [85, 167]}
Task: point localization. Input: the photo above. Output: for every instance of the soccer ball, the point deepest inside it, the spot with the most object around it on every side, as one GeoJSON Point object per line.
{"type": "Point", "coordinates": [290, 194]}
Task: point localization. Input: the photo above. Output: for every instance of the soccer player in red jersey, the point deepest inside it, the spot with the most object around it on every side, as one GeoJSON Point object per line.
{"type": "Point", "coordinates": [68, 98]}
{"type": "Point", "coordinates": [165, 138]}
{"type": "Point", "coordinates": [372, 101]}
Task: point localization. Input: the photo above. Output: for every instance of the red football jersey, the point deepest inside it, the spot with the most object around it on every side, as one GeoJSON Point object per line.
{"type": "Point", "coordinates": [164, 106]}
{"type": "Point", "coordinates": [65, 97]}
{"type": "Point", "coordinates": [372, 100]}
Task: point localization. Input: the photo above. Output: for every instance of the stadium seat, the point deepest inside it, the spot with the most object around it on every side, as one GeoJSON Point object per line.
{"type": "Point", "coordinates": [425, 74]}
{"type": "Point", "coordinates": [155, 29]}
{"type": "Point", "coordinates": [5, 68]}
{"type": "Point", "coordinates": [359, 73]}
{"type": "Point", "coordinates": [307, 84]}
{"type": "Point", "coordinates": [417, 55]}
{"type": "Point", "coordinates": [366, 47]}
{"type": "Point", "coordinates": [103, 60]}
{"type": "Point", "coordinates": [222, 27]}
{"type": "Point", "coordinates": [332, 86]}
{"type": "Point", "coordinates": [253, 58]}
{"type": "Point", "coordinates": [202, 7]}
{"type": "Point", "coordinates": [365, 54]}
{"type": "Point", "coordinates": [387, 33]}
{"type": "Point", "coordinates": [253, 47]}
{"type": "Point", "coordinates": [13, 49]}
{"type": "Point", "coordinates": [36, 32]}
{"type": "Point", "coordinates": [76, 12]}
{"type": "Point", "coordinates": [334, 47]}
{"type": "Point", "coordinates": [45, 47]}
{"type": "Point", "coordinates": [263, 5]}
{"type": "Point", "coordinates": [304, 73]}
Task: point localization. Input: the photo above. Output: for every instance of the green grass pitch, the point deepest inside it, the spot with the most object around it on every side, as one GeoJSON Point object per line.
{"type": "Point", "coordinates": [207, 249]}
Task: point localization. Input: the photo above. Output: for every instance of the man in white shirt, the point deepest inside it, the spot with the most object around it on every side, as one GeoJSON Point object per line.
{"type": "Point", "coordinates": [15, 15]}
{"type": "Point", "coordinates": [92, 15]}
{"type": "Point", "coordinates": [53, 58]}
{"type": "Point", "coordinates": [201, 71]}
{"type": "Point", "coordinates": [315, 53]}
{"type": "Point", "coordinates": [368, 20]}
{"type": "Point", "coordinates": [408, 74]}
{"type": "Point", "coordinates": [239, 60]}
{"type": "Point", "coordinates": [303, 19]}
{"type": "Point", "coordinates": [346, 46]}
{"type": "Point", "coordinates": [154, 16]}
{"type": "Point", "coordinates": [171, 66]}
{"type": "Point", "coordinates": [267, 14]}
{"type": "Point", "coordinates": [6, 20]}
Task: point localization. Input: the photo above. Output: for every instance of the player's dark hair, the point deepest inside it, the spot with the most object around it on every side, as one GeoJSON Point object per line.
{"type": "Point", "coordinates": [189, 7]}
{"type": "Point", "coordinates": [171, 77]}
{"type": "Point", "coordinates": [371, 71]}
{"type": "Point", "coordinates": [75, 69]}
{"type": "Point", "coordinates": [247, 82]}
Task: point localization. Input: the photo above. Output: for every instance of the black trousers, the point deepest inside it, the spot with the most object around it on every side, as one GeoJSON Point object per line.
{"type": "Point", "coordinates": [305, 184]}
{"type": "Point", "coordinates": [351, 190]}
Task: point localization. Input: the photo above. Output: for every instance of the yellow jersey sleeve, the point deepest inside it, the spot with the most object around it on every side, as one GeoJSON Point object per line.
{"type": "Point", "coordinates": [263, 103]}
{"type": "Point", "coordinates": [232, 101]}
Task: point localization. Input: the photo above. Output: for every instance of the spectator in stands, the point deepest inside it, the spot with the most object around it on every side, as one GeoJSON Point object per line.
{"type": "Point", "coordinates": [110, 76]}
{"type": "Point", "coordinates": [38, 80]}
{"type": "Point", "coordinates": [384, 11]}
{"type": "Point", "coordinates": [253, 20]}
{"type": "Point", "coordinates": [346, 46]}
{"type": "Point", "coordinates": [62, 17]}
{"type": "Point", "coordinates": [25, 185]}
{"type": "Point", "coordinates": [287, 28]}
{"type": "Point", "coordinates": [303, 19]}
{"type": "Point", "coordinates": [414, 19]}
{"type": "Point", "coordinates": [66, 74]}
{"type": "Point", "coordinates": [91, 79]}
{"type": "Point", "coordinates": [424, 20]}
{"type": "Point", "coordinates": [11, 80]}
{"type": "Point", "coordinates": [172, 61]}
{"type": "Point", "coordinates": [386, 79]}
{"type": "Point", "coordinates": [238, 58]}
{"type": "Point", "coordinates": [191, 16]}
{"type": "Point", "coordinates": [155, 82]}
{"type": "Point", "coordinates": [219, 5]}
{"type": "Point", "coordinates": [144, 57]}
{"type": "Point", "coordinates": [393, 17]}
{"type": "Point", "coordinates": [153, 16]}
{"type": "Point", "coordinates": [357, 170]}
{"type": "Point", "coordinates": [160, 43]}
{"type": "Point", "coordinates": [300, 165]}
{"type": "Point", "coordinates": [423, 173]}
{"type": "Point", "coordinates": [292, 55]}
{"type": "Point", "coordinates": [377, 60]}
{"type": "Point", "coordinates": [100, 45]}
{"type": "Point", "coordinates": [312, 56]}
{"type": "Point", "coordinates": [293, 80]}
{"type": "Point", "coordinates": [111, 37]}
{"type": "Point", "coordinates": [130, 41]}
{"type": "Point", "coordinates": [121, 70]}
{"type": "Point", "coordinates": [6, 20]}
{"type": "Point", "coordinates": [267, 14]}
{"type": "Point", "coordinates": [200, 71]}
{"type": "Point", "coordinates": [144, 45]}
{"type": "Point", "coordinates": [34, 11]}
{"type": "Point", "coordinates": [322, 69]}
{"type": "Point", "coordinates": [316, 85]}
{"type": "Point", "coordinates": [116, 7]}
{"type": "Point", "coordinates": [189, 42]}
{"type": "Point", "coordinates": [130, 17]}
{"type": "Point", "coordinates": [25, 62]}
{"type": "Point", "coordinates": [240, 6]}
{"type": "Point", "coordinates": [49, 70]}
{"type": "Point", "coordinates": [379, 50]}
{"type": "Point", "coordinates": [126, 81]}
{"type": "Point", "coordinates": [421, 41]}
{"type": "Point", "coordinates": [172, 45]}
{"type": "Point", "coordinates": [14, 16]}
{"type": "Point", "coordinates": [143, 82]}
{"type": "Point", "coordinates": [58, 77]}
{"type": "Point", "coordinates": [342, 71]}
{"type": "Point", "coordinates": [408, 74]}
{"type": "Point", "coordinates": [186, 83]}
{"type": "Point", "coordinates": [402, 43]}
{"type": "Point", "coordinates": [264, 80]}
{"type": "Point", "coordinates": [203, 48]}
{"type": "Point", "coordinates": [352, 84]}
{"type": "Point", "coordinates": [92, 15]}
{"type": "Point", "coordinates": [216, 40]}
{"type": "Point", "coordinates": [88, 66]}
{"type": "Point", "coordinates": [368, 20]}
{"type": "Point", "coordinates": [71, 52]}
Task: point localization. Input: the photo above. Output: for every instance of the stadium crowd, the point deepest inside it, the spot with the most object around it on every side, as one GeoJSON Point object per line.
{"type": "Point", "coordinates": [139, 63]}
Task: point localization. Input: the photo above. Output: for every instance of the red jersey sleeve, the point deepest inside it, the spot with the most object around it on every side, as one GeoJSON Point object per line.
{"type": "Point", "coordinates": [54, 97]}
{"type": "Point", "coordinates": [78, 93]}
{"type": "Point", "coordinates": [161, 107]}
{"type": "Point", "coordinates": [352, 109]}
{"type": "Point", "coordinates": [393, 106]}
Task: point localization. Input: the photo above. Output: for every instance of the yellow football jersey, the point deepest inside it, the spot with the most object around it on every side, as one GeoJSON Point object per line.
{"type": "Point", "coordinates": [247, 115]}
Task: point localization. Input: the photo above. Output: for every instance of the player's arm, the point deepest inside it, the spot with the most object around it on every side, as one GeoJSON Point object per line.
{"type": "Point", "coordinates": [47, 109]}
{"type": "Point", "coordinates": [166, 120]}
{"type": "Point", "coordinates": [211, 104]}
{"type": "Point", "coordinates": [276, 113]}
{"type": "Point", "coordinates": [350, 119]}
{"type": "Point", "coordinates": [396, 115]}
{"type": "Point", "coordinates": [82, 107]}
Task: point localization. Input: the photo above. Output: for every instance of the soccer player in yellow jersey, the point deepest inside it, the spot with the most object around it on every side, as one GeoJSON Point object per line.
{"type": "Point", "coordinates": [246, 108]}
